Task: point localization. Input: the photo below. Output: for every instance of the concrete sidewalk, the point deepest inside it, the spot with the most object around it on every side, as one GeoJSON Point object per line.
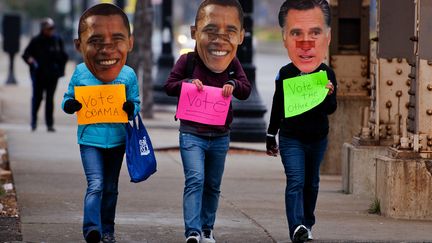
{"type": "Point", "coordinates": [50, 185]}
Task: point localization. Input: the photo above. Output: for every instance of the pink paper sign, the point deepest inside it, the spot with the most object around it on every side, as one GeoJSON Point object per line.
{"type": "Point", "coordinates": [207, 106]}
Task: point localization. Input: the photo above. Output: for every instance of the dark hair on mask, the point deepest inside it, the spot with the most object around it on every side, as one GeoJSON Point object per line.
{"type": "Point", "coordinates": [103, 9]}
{"type": "Point", "coordinates": [225, 3]}
{"type": "Point", "coordinates": [304, 5]}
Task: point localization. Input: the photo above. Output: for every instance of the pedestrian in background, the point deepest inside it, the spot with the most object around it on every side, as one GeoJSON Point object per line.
{"type": "Point", "coordinates": [104, 40]}
{"type": "Point", "coordinates": [302, 138]}
{"type": "Point", "coordinates": [218, 31]}
{"type": "Point", "coordinates": [47, 59]}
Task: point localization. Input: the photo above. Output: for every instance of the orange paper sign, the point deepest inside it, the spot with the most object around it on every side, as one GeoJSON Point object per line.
{"type": "Point", "coordinates": [101, 104]}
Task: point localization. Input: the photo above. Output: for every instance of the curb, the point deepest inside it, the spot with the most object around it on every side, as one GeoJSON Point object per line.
{"type": "Point", "coordinates": [10, 222]}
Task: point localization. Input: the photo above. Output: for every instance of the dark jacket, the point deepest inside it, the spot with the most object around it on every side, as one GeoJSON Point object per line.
{"type": "Point", "coordinates": [49, 54]}
{"type": "Point", "coordinates": [309, 126]}
{"type": "Point", "coordinates": [179, 74]}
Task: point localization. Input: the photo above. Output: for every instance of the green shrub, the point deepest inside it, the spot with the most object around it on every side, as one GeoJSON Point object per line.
{"type": "Point", "coordinates": [375, 207]}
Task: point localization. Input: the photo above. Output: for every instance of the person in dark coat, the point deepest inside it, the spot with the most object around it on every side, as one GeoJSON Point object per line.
{"type": "Point", "coordinates": [46, 58]}
{"type": "Point", "coordinates": [303, 139]}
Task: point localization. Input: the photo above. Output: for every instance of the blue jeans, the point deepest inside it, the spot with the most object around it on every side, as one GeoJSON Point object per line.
{"type": "Point", "coordinates": [203, 166]}
{"type": "Point", "coordinates": [301, 163]}
{"type": "Point", "coordinates": [102, 170]}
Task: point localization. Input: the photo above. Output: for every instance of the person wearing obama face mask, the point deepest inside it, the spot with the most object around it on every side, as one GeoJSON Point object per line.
{"type": "Point", "coordinates": [302, 138]}
{"type": "Point", "coordinates": [218, 31]}
{"type": "Point", "coordinates": [104, 41]}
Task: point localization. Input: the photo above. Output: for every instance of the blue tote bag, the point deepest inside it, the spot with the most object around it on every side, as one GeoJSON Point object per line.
{"type": "Point", "coordinates": [140, 157]}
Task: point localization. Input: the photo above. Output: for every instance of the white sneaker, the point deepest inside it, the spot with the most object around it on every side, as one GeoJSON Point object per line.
{"type": "Point", "coordinates": [310, 236]}
{"type": "Point", "coordinates": [193, 237]}
{"type": "Point", "coordinates": [207, 236]}
{"type": "Point", "coordinates": [300, 234]}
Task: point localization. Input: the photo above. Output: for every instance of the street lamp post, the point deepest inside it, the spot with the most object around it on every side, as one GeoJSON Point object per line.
{"type": "Point", "coordinates": [11, 77]}
{"type": "Point", "coordinates": [120, 3]}
{"type": "Point", "coordinates": [84, 4]}
{"type": "Point", "coordinates": [11, 41]}
{"type": "Point", "coordinates": [248, 124]}
{"type": "Point", "coordinates": [166, 59]}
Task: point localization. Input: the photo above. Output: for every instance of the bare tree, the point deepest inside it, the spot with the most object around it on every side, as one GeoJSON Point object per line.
{"type": "Point", "coordinates": [141, 58]}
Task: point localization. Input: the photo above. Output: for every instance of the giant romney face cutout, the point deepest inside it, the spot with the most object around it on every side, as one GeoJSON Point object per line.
{"type": "Point", "coordinates": [306, 38]}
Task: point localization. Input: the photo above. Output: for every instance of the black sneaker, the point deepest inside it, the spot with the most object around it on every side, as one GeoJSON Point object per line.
{"type": "Point", "coordinates": [193, 237]}
{"type": "Point", "coordinates": [51, 129]}
{"type": "Point", "coordinates": [108, 238]}
{"type": "Point", "coordinates": [300, 234]}
{"type": "Point", "coordinates": [93, 237]}
{"type": "Point", "coordinates": [207, 236]}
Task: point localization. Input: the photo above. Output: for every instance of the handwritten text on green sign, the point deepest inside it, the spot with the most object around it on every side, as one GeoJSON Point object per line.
{"type": "Point", "coordinates": [304, 92]}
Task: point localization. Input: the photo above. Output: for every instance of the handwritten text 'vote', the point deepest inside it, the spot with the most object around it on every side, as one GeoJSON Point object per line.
{"type": "Point", "coordinates": [207, 106]}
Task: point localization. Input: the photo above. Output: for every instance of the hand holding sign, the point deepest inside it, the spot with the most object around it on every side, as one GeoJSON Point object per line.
{"type": "Point", "coordinates": [198, 84]}
{"type": "Point", "coordinates": [303, 93]}
{"type": "Point", "coordinates": [227, 90]}
{"type": "Point", "coordinates": [330, 87]}
{"type": "Point", "coordinates": [207, 106]}
{"type": "Point", "coordinates": [101, 104]}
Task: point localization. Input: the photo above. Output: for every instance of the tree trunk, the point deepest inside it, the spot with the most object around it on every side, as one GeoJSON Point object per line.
{"type": "Point", "coordinates": [141, 58]}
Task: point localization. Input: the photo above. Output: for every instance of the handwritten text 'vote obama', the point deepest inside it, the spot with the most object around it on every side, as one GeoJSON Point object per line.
{"type": "Point", "coordinates": [101, 103]}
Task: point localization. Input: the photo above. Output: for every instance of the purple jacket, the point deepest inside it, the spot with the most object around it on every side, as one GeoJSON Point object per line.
{"type": "Point", "coordinates": [179, 74]}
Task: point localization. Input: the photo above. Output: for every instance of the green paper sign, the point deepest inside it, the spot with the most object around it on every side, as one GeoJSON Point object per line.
{"type": "Point", "coordinates": [304, 92]}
